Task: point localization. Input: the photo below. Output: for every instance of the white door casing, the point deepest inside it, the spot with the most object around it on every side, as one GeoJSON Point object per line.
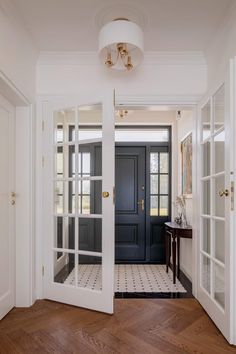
{"type": "Point", "coordinates": [216, 207]}
{"type": "Point", "coordinates": [7, 219]}
{"type": "Point", "coordinates": [61, 184]}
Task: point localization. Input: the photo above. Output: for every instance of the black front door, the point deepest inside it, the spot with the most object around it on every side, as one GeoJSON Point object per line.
{"type": "Point", "coordinates": [130, 235]}
{"type": "Point", "coordinates": [143, 202]}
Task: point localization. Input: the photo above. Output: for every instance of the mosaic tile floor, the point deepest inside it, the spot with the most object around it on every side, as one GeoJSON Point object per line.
{"type": "Point", "coordinates": [129, 278]}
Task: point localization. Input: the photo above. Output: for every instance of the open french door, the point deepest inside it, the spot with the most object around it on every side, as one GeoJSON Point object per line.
{"type": "Point", "coordinates": [216, 268]}
{"type": "Point", "coordinates": [78, 202]}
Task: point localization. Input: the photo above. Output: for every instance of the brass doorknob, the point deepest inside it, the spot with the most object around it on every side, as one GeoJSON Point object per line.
{"type": "Point", "coordinates": [224, 193]}
{"type": "Point", "coordinates": [105, 194]}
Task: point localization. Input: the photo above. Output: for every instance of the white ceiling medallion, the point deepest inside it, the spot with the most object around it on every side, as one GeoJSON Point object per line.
{"type": "Point", "coordinates": [121, 44]}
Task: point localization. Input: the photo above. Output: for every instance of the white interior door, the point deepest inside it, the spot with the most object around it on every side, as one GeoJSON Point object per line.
{"type": "Point", "coordinates": [7, 240]}
{"type": "Point", "coordinates": [78, 203]}
{"type": "Point", "coordinates": [216, 177]}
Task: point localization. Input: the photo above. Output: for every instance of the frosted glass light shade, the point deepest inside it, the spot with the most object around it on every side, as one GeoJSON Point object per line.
{"type": "Point", "coordinates": [121, 31]}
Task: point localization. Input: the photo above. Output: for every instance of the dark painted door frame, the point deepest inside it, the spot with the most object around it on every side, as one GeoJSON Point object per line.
{"type": "Point", "coordinates": [150, 146]}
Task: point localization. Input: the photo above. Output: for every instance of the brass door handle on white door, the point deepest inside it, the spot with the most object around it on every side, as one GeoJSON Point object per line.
{"type": "Point", "coordinates": [141, 202]}
{"type": "Point", "coordinates": [224, 193]}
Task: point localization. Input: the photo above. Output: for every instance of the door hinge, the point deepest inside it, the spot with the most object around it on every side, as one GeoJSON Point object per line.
{"type": "Point", "coordinates": [232, 195]}
{"type": "Point", "coordinates": [13, 198]}
{"type": "Point", "coordinates": [43, 161]}
{"type": "Point", "coordinates": [114, 97]}
{"type": "Point", "coordinates": [42, 270]}
{"type": "Point", "coordinates": [114, 195]}
{"type": "Point", "coordinates": [43, 124]}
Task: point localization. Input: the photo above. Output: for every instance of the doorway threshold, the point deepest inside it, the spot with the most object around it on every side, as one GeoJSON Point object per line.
{"type": "Point", "coordinates": [143, 295]}
{"type": "Point", "coordinates": [149, 281]}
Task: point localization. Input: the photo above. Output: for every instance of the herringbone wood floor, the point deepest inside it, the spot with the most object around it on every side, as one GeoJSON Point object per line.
{"type": "Point", "coordinates": [138, 326]}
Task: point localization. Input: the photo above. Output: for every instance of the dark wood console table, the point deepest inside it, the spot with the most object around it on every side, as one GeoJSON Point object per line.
{"type": "Point", "coordinates": [173, 232]}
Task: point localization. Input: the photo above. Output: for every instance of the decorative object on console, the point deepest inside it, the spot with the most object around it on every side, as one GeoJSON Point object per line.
{"type": "Point", "coordinates": [180, 204]}
{"type": "Point", "coordinates": [178, 219]}
{"type": "Point", "coordinates": [121, 44]}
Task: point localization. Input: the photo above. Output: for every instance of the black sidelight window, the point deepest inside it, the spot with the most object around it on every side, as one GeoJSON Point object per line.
{"type": "Point", "coordinates": [159, 183]}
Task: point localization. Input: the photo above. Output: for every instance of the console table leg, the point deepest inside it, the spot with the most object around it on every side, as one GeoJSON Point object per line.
{"type": "Point", "coordinates": [178, 256]}
{"type": "Point", "coordinates": [167, 251]}
{"type": "Point", "coordinates": [174, 258]}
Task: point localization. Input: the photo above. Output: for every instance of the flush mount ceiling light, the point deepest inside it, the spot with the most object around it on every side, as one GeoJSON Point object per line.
{"type": "Point", "coordinates": [121, 44]}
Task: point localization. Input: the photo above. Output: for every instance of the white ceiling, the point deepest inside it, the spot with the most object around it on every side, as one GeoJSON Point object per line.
{"type": "Point", "coordinates": [169, 25]}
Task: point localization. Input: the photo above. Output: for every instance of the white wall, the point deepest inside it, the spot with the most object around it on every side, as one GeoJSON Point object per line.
{"type": "Point", "coordinates": [24, 209]}
{"type": "Point", "coordinates": [222, 49]}
{"type": "Point", "coordinates": [18, 53]}
{"type": "Point", "coordinates": [74, 73]}
{"type": "Point", "coordinates": [184, 127]}
{"type": "Point", "coordinates": [18, 60]}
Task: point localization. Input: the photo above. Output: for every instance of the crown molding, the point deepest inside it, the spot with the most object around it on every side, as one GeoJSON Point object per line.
{"type": "Point", "coordinates": [175, 58]}
{"type": "Point", "coordinates": [170, 100]}
{"type": "Point", "coordinates": [150, 58]}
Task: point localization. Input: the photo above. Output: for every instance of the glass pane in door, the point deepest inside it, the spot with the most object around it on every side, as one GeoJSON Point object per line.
{"type": "Point", "coordinates": [163, 210]}
{"type": "Point", "coordinates": [90, 234]}
{"type": "Point", "coordinates": [206, 197]}
{"type": "Point", "coordinates": [90, 117]}
{"type": "Point", "coordinates": [89, 197]}
{"type": "Point", "coordinates": [90, 272]}
{"type": "Point", "coordinates": [219, 284]}
{"type": "Point", "coordinates": [154, 162]}
{"type": "Point", "coordinates": [159, 183]}
{"type": "Point", "coordinates": [219, 152]}
{"type": "Point", "coordinates": [154, 205]}
{"type": "Point", "coordinates": [206, 121]}
{"type": "Point", "coordinates": [59, 197]}
{"type": "Point", "coordinates": [206, 235]}
{"type": "Point", "coordinates": [64, 232]}
{"type": "Point", "coordinates": [154, 184]}
{"type": "Point", "coordinates": [63, 120]}
{"type": "Point", "coordinates": [220, 240]}
{"type": "Point", "coordinates": [164, 162]}
{"type": "Point", "coordinates": [219, 108]}
{"type": "Point", "coordinates": [206, 159]}
{"type": "Point", "coordinates": [63, 268]}
{"type": "Point", "coordinates": [206, 274]}
{"type": "Point", "coordinates": [219, 187]}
